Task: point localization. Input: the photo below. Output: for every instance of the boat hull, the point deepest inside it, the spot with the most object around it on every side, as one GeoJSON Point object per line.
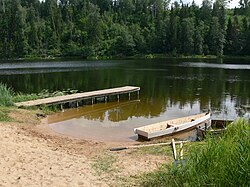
{"type": "Point", "coordinates": [171, 126]}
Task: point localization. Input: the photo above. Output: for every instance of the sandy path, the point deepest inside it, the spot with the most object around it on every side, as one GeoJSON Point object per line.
{"type": "Point", "coordinates": [28, 161]}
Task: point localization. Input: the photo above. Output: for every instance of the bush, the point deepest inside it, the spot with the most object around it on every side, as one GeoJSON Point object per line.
{"type": "Point", "coordinates": [5, 95]}
{"type": "Point", "coordinates": [220, 161]}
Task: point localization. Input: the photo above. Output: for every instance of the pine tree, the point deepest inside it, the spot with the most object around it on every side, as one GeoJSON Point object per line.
{"type": "Point", "coordinates": [4, 14]}
{"type": "Point", "coordinates": [187, 36]}
{"type": "Point", "coordinates": [216, 38]}
{"type": "Point", "coordinates": [245, 37]}
{"type": "Point", "coordinates": [206, 11]}
{"type": "Point", "coordinates": [199, 39]}
{"type": "Point", "coordinates": [16, 27]}
{"type": "Point", "coordinates": [173, 24]}
{"type": "Point", "coordinates": [233, 46]}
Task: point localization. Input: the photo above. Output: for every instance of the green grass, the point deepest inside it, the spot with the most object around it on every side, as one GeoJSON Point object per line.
{"type": "Point", "coordinates": [165, 150]}
{"type": "Point", "coordinates": [20, 97]}
{"type": "Point", "coordinates": [50, 109]}
{"type": "Point", "coordinates": [219, 161]}
{"type": "Point", "coordinates": [24, 97]}
{"type": "Point", "coordinates": [5, 95]}
{"type": "Point", "coordinates": [4, 114]}
{"type": "Point", "coordinates": [8, 98]}
{"type": "Point", "coordinates": [104, 164]}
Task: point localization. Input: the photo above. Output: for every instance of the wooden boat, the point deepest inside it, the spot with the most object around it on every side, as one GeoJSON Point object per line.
{"type": "Point", "coordinates": [172, 126]}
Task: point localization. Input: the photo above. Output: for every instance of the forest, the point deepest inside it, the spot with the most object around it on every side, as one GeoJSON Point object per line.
{"type": "Point", "coordinates": [105, 28]}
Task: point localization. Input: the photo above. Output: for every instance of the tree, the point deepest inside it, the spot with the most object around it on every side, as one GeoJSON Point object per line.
{"type": "Point", "coordinates": [32, 31]}
{"type": "Point", "coordinates": [173, 33]}
{"type": "Point", "coordinates": [205, 11]}
{"type": "Point", "coordinates": [245, 5]}
{"type": "Point", "coordinates": [16, 36]}
{"type": "Point", "coordinates": [4, 15]}
{"type": "Point", "coordinates": [187, 32]}
{"type": "Point", "coordinates": [219, 11]}
{"type": "Point", "coordinates": [104, 5]}
{"type": "Point", "coordinates": [121, 27]}
{"type": "Point", "coordinates": [245, 37]}
{"type": "Point", "coordinates": [139, 39]}
{"type": "Point", "coordinates": [122, 41]}
{"type": "Point", "coordinates": [233, 46]}
{"type": "Point", "coordinates": [199, 39]}
{"type": "Point", "coordinates": [52, 19]}
{"type": "Point", "coordinates": [216, 38]}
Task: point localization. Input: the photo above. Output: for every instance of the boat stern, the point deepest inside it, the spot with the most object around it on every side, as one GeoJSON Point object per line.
{"type": "Point", "coordinates": [141, 133]}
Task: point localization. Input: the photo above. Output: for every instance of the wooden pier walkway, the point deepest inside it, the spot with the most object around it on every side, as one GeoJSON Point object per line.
{"type": "Point", "coordinates": [80, 96]}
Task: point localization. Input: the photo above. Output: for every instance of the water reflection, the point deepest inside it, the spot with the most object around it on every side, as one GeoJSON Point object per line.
{"type": "Point", "coordinates": [170, 88]}
{"type": "Point", "coordinates": [112, 111]}
{"type": "Point", "coordinates": [25, 68]}
{"type": "Point", "coordinates": [116, 120]}
{"type": "Point", "coordinates": [215, 65]}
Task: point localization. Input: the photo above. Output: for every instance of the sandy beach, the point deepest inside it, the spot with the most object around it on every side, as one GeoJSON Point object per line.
{"type": "Point", "coordinates": [32, 155]}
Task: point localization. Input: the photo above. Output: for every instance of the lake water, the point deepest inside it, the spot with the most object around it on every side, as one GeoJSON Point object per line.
{"type": "Point", "coordinates": [169, 89]}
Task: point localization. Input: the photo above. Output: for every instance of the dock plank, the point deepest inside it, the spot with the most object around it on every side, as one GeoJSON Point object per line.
{"type": "Point", "coordinates": [78, 96]}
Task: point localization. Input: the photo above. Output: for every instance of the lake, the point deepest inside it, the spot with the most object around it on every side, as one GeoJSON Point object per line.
{"type": "Point", "coordinates": [170, 88]}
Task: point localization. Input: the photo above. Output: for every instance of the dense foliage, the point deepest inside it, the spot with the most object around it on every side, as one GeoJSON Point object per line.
{"type": "Point", "coordinates": [223, 161]}
{"type": "Point", "coordinates": [121, 27]}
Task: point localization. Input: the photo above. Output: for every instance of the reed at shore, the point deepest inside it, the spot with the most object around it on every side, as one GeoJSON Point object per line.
{"type": "Point", "coordinates": [218, 161]}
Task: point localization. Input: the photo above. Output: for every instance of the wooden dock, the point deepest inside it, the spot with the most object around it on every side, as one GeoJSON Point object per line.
{"type": "Point", "coordinates": [81, 96]}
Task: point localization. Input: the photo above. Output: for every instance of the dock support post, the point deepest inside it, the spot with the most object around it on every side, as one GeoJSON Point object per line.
{"type": "Point", "coordinates": [138, 94]}
{"type": "Point", "coordinates": [77, 104]}
{"type": "Point", "coordinates": [62, 108]}
{"type": "Point", "coordinates": [105, 98]}
{"type": "Point", "coordinates": [92, 101]}
{"type": "Point", "coordinates": [118, 97]}
{"type": "Point", "coordinates": [129, 96]}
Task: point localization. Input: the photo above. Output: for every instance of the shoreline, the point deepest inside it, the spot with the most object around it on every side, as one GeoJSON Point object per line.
{"type": "Point", "coordinates": [135, 57]}
{"type": "Point", "coordinates": [32, 154]}
{"type": "Point", "coordinates": [45, 128]}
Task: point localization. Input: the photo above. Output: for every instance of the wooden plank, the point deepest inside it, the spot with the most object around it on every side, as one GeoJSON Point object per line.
{"type": "Point", "coordinates": [181, 150]}
{"type": "Point", "coordinates": [78, 96]}
{"type": "Point", "coordinates": [174, 149]}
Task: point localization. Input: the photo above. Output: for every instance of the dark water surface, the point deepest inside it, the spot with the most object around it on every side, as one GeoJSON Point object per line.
{"type": "Point", "coordinates": [169, 89]}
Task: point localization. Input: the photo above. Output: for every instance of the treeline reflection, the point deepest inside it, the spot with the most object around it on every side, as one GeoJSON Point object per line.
{"type": "Point", "coordinates": [163, 85]}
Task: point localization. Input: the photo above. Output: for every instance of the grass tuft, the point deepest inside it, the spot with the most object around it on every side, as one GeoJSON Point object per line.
{"type": "Point", "coordinates": [5, 95]}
